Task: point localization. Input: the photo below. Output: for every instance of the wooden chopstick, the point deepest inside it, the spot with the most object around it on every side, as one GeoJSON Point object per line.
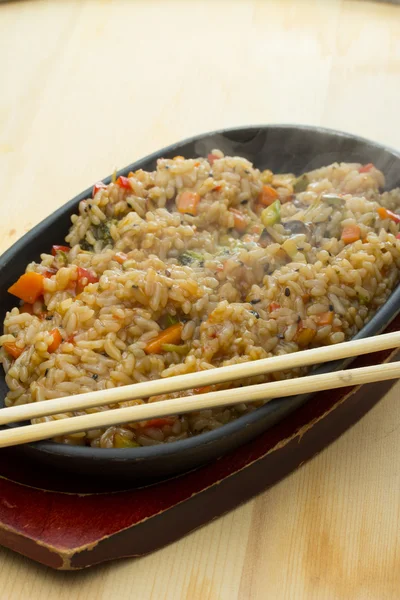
{"type": "Point", "coordinates": [145, 389]}
{"type": "Point", "coordinates": [264, 391]}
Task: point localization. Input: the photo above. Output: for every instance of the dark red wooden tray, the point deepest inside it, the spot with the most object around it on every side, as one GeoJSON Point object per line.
{"type": "Point", "coordinates": [48, 518]}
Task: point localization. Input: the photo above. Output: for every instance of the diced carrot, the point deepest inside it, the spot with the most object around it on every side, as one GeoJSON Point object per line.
{"type": "Point", "coordinates": [97, 187]}
{"type": "Point", "coordinates": [13, 349]}
{"type": "Point", "coordinates": [217, 188]}
{"type": "Point", "coordinates": [326, 318]}
{"type": "Point", "coordinates": [274, 306]}
{"type": "Point", "coordinates": [171, 335]}
{"type": "Point", "coordinates": [239, 220]}
{"type": "Point", "coordinates": [29, 287]}
{"type": "Point", "coordinates": [187, 203]}
{"type": "Point", "coordinates": [366, 168]}
{"type": "Point", "coordinates": [158, 423]}
{"type": "Point", "coordinates": [384, 213]}
{"type": "Point", "coordinates": [351, 233]}
{"type": "Point", "coordinates": [304, 336]}
{"type": "Point", "coordinates": [57, 339]}
{"type": "Point", "coordinates": [268, 195]}
{"type": "Point", "coordinates": [120, 257]}
{"type": "Point", "coordinates": [56, 249]}
{"type": "Point", "coordinates": [203, 390]}
{"type": "Point", "coordinates": [26, 308]}
{"type": "Point", "coordinates": [71, 339]}
{"type": "Point", "coordinates": [124, 183]}
{"type": "Point", "coordinates": [85, 274]}
{"type": "Point", "coordinates": [212, 157]}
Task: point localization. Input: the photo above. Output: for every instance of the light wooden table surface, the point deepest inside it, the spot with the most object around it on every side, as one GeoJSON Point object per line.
{"type": "Point", "coordinates": [89, 85]}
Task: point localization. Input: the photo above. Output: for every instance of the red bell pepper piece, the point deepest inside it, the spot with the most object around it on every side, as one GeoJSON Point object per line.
{"type": "Point", "coordinates": [97, 187]}
{"type": "Point", "coordinates": [85, 274]}
{"type": "Point", "coordinates": [123, 182]}
{"type": "Point", "coordinates": [385, 213]}
{"type": "Point", "coordinates": [366, 168]}
{"type": "Point", "coordinates": [56, 249]}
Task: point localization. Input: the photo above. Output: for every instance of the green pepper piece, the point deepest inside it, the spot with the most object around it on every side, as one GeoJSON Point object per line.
{"type": "Point", "coordinates": [363, 299]}
{"type": "Point", "coordinates": [301, 184]}
{"type": "Point", "coordinates": [62, 257]}
{"type": "Point", "coordinates": [181, 349]}
{"type": "Point", "coordinates": [171, 320]}
{"type": "Point", "coordinates": [190, 256]}
{"type": "Point", "coordinates": [271, 215]}
{"type": "Point", "coordinates": [120, 441]}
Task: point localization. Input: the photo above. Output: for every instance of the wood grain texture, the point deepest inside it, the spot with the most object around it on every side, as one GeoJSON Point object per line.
{"type": "Point", "coordinates": [90, 85]}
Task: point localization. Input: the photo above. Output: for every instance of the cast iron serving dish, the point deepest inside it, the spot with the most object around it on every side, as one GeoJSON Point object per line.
{"type": "Point", "coordinates": [281, 148]}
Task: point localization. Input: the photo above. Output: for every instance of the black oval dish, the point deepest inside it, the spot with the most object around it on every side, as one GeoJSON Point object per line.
{"type": "Point", "coordinates": [280, 148]}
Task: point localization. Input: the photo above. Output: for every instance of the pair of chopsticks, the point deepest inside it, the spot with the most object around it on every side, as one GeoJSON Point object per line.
{"type": "Point", "coordinates": [176, 406]}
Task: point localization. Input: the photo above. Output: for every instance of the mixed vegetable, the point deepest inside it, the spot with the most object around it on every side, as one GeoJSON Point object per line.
{"type": "Point", "coordinates": [267, 195]}
{"type": "Point", "coordinates": [262, 222]}
{"type": "Point", "coordinates": [187, 202]}
{"type": "Point", "coordinates": [271, 215]}
{"type": "Point", "coordinates": [171, 335]}
{"type": "Point", "coordinates": [384, 213]}
{"type": "Point", "coordinates": [351, 233]}
{"type": "Point", "coordinates": [29, 287]}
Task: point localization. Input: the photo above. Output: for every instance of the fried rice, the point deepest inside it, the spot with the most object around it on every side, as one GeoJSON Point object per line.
{"type": "Point", "coordinates": [204, 262]}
